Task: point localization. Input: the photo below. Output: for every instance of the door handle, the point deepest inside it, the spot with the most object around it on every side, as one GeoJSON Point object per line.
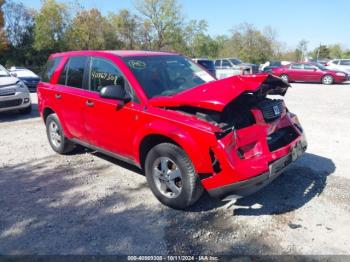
{"type": "Point", "coordinates": [58, 96]}
{"type": "Point", "coordinates": [89, 103]}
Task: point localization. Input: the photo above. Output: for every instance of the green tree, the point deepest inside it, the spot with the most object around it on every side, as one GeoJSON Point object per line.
{"type": "Point", "coordinates": [50, 25]}
{"type": "Point", "coordinates": [162, 18]}
{"type": "Point", "coordinates": [125, 26]}
{"type": "Point", "coordinates": [88, 30]}
{"type": "Point", "coordinates": [301, 50]}
{"type": "Point", "coordinates": [3, 39]}
{"type": "Point", "coordinates": [248, 44]}
{"type": "Point", "coordinates": [19, 23]}
{"type": "Point", "coordinates": [322, 52]}
{"type": "Point", "coordinates": [335, 51]}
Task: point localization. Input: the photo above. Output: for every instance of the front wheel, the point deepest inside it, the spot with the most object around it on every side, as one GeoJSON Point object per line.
{"type": "Point", "coordinates": [171, 176]}
{"type": "Point", "coordinates": [58, 141]}
{"type": "Point", "coordinates": [327, 80]}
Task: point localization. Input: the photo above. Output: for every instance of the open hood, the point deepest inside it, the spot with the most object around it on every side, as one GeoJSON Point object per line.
{"type": "Point", "coordinates": [216, 95]}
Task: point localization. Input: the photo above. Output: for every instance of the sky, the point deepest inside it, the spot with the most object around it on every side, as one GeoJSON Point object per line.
{"type": "Point", "coordinates": [318, 22]}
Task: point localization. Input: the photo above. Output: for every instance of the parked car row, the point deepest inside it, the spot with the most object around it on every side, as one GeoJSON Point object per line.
{"type": "Point", "coordinates": [335, 71]}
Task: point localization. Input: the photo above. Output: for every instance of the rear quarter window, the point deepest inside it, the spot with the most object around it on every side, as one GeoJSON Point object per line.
{"type": "Point", "coordinates": [49, 68]}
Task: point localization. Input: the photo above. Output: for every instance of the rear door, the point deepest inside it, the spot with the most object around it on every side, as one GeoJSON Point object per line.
{"type": "Point", "coordinates": [69, 95]}
{"type": "Point", "coordinates": [296, 72]}
{"type": "Point", "coordinates": [109, 123]}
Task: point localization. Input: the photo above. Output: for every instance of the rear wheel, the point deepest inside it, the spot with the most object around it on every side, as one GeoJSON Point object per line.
{"type": "Point", "coordinates": [171, 176]}
{"type": "Point", "coordinates": [327, 80]}
{"type": "Point", "coordinates": [285, 78]}
{"type": "Point", "coordinates": [58, 141]}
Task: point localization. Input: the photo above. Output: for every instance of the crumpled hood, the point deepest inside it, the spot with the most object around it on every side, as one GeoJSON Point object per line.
{"type": "Point", "coordinates": [216, 95]}
{"type": "Point", "coordinates": [7, 81]}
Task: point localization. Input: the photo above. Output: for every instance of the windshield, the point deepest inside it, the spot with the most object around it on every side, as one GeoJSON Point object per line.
{"type": "Point", "coordinates": [166, 75]}
{"type": "Point", "coordinates": [236, 61]}
{"type": "Point", "coordinates": [3, 72]}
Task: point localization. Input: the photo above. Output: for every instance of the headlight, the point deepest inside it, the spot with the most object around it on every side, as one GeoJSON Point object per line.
{"type": "Point", "coordinates": [21, 85]}
{"type": "Point", "coordinates": [340, 74]}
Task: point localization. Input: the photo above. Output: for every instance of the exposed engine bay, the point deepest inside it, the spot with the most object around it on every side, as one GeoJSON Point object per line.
{"type": "Point", "coordinates": [238, 113]}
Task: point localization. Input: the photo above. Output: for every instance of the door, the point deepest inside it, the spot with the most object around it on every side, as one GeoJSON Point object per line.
{"type": "Point", "coordinates": [69, 95]}
{"type": "Point", "coordinates": [312, 73]}
{"type": "Point", "coordinates": [109, 123]}
{"type": "Point", "coordinates": [296, 72]}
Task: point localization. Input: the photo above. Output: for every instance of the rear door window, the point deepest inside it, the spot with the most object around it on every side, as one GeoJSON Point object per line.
{"type": "Point", "coordinates": [309, 67]}
{"type": "Point", "coordinates": [296, 66]}
{"type": "Point", "coordinates": [345, 62]}
{"type": "Point", "coordinates": [226, 63]}
{"type": "Point", "coordinates": [49, 68]}
{"type": "Point", "coordinates": [73, 73]}
{"type": "Point", "coordinates": [218, 63]}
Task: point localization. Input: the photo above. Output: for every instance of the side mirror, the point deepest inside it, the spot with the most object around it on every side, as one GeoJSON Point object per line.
{"type": "Point", "coordinates": [115, 92]}
{"type": "Point", "coordinates": [13, 74]}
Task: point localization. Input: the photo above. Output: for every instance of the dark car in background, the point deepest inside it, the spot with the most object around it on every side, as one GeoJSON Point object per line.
{"type": "Point", "coordinates": [207, 64]}
{"type": "Point", "coordinates": [309, 72]}
{"type": "Point", "coordinates": [29, 78]}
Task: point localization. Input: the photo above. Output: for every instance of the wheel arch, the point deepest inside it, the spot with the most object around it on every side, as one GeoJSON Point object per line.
{"type": "Point", "coordinates": [150, 141]}
{"type": "Point", "coordinates": [46, 112]}
{"type": "Point", "coordinates": [149, 138]}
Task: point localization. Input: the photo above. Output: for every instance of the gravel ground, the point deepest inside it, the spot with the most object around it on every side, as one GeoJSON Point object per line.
{"type": "Point", "coordinates": [87, 203]}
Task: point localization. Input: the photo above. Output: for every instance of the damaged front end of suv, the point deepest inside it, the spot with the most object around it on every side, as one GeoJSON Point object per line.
{"type": "Point", "coordinates": [257, 136]}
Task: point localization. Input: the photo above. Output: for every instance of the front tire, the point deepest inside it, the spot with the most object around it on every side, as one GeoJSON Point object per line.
{"type": "Point", "coordinates": [171, 176]}
{"type": "Point", "coordinates": [327, 80]}
{"type": "Point", "coordinates": [58, 141]}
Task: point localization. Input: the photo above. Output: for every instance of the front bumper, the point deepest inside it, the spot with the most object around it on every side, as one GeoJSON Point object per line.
{"type": "Point", "coordinates": [20, 100]}
{"type": "Point", "coordinates": [252, 185]}
{"type": "Point", "coordinates": [252, 157]}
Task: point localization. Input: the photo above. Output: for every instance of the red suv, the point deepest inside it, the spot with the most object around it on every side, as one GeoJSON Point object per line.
{"type": "Point", "coordinates": [166, 115]}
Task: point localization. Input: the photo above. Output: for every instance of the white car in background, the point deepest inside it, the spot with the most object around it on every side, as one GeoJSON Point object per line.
{"type": "Point", "coordinates": [339, 65]}
{"type": "Point", "coordinates": [14, 94]}
{"type": "Point", "coordinates": [226, 67]}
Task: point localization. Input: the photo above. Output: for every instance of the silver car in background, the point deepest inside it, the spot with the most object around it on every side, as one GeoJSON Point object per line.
{"type": "Point", "coordinates": [339, 65]}
{"type": "Point", "coordinates": [14, 94]}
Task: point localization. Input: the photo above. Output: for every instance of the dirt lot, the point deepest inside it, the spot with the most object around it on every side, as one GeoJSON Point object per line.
{"type": "Point", "coordinates": [87, 203]}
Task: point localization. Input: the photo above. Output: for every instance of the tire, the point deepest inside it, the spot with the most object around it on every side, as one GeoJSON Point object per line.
{"type": "Point", "coordinates": [26, 110]}
{"type": "Point", "coordinates": [177, 164]}
{"type": "Point", "coordinates": [285, 78]}
{"type": "Point", "coordinates": [55, 135]}
{"type": "Point", "coordinates": [327, 80]}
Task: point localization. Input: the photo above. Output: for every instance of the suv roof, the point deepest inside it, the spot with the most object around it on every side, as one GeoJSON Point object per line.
{"type": "Point", "coordinates": [121, 53]}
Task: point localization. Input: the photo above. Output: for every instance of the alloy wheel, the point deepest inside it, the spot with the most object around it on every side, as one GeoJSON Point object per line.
{"type": "Point", "coordinates": [167, 177]}
{"type": "Point", "coordinates": [55, 134]}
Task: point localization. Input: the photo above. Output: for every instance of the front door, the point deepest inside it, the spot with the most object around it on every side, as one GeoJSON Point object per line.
{"type": "Point", "coordinates": [109, 123]}
{"type": "Point", "coordinates": [312, 73]}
